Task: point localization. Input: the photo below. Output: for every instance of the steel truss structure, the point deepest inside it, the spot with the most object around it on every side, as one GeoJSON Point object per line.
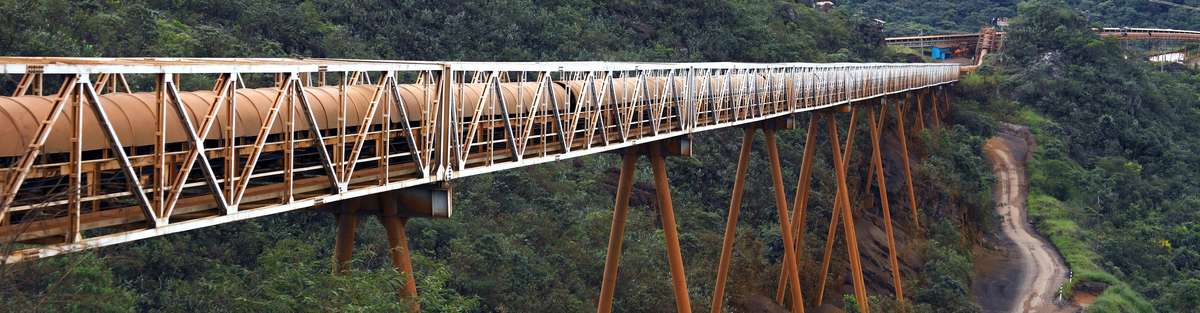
{"type": "Point", "coordinates": [132, 148]}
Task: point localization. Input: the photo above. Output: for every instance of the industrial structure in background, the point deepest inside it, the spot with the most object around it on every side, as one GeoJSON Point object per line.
{"type": "Point", "coordinates": [92, 159]}
{"type": "Point", "coordinates": [971, 48]}
{"type": "Point", "coordinates": [965, 49]}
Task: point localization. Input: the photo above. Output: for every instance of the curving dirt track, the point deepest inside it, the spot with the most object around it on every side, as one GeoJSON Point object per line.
{"type": "Point", "coordinates": [1032, 284]}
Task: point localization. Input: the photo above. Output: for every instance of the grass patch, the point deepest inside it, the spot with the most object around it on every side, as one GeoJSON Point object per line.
{"type": "Point", "coordinates": [1054, 219]}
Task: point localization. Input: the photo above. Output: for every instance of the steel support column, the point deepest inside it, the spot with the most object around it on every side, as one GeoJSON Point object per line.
{"type": "Point", "coordinates": [789, 249]}
{"type": "Point", "coordinates": [871, 169]}
{"type": "Point", "coordinates": [881, 183]}
{"type": "Point", "coordinates": [617, 231]}
{"type": "Point", "coordinates": [843, 159]}
{"type": "Point", "coordinates": [662, 187]}
{"type": "Point", "coordinates": [860, 290]}
{"type": "Point", "coordinates": [735, 204]}
{"type": "Point", "coordinates": [800, 203]}
{"type": "Point", "coordinates": [398, 250]}
{"type": "Point", "coordinates": [902, 133]}
{"type": "Point", "coordinates": [347, 224]}
{"type": "Point", "coordinates": [920, 109]}
{"type": "Point", "coordinates": [933, 108]}
{"type": "Point", "coordinates": [949, 98]}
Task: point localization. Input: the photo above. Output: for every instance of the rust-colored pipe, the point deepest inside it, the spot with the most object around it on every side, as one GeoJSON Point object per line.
{"type": "Point", "coordinates": [617, 231]}
{"type": "Point", "coordinates": [789, 248]}
{"type": "Point", "coordinates": [735, 204]}
{"type": "Point", "coordinates": [662, 187]}
{"type": "Point", "coordinates": [128, 110]}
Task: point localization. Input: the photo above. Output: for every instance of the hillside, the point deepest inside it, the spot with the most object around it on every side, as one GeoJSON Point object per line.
{"type": "Point", "coordinates": [529, 240]}
{"type": "Point", "coordinates": [1110, 181]}
{"type": "Point", "coordinates": [912, 17]}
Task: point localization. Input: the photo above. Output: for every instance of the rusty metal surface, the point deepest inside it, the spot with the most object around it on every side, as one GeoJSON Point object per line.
{"type": "Point", "coordinates": [447, 120]}
{"type": "Point", "coordinates": [18, 115]}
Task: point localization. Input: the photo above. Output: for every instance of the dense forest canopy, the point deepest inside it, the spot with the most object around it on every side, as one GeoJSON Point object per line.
{"type": "Point", "coordinates": [510, 30]}
{"type": "Point", "coordinates": [915, 17]}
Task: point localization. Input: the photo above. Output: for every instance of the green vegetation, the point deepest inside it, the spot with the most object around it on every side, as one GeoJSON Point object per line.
{"type": "Point", "coordinates": [1111, 181]}
{"type": "Point", "coordinates": [528, 240]}
{"type": "Point", "coordinates": [915, 17]}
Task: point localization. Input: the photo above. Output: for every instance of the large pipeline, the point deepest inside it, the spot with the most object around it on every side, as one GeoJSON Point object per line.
{"type": "Point", "coordinates": [130, 112]}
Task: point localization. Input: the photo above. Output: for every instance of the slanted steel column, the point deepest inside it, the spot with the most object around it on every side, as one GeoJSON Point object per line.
{"type": "Point", "coordinates": [920, 109]}
{"type": "Point", "coordinates": [871, 169]}
{"type": "Point", "coordinates": [860, 291]}
{"type": "Point", "coordinates": [902, 133]}
{"type": "Point", "coordinates": [831, 235]}
{"type": "Point", "coordinates": [800, 203]}
{"type": "Point", "coordinates": [667, 213]}
{"type": "Point", "coordinates": [735, 205]}
{"type": "Point", "coordinates": [881, 183]}
{"type": "Point", "coordinates": [663, 188]}
{"type": "Point", "coordinates": [617, 232]}
{"type": "Point", "coordinates": [949, 98]}
{"type": "Point", "coordinates": [789, 249]}
{"type": "Point", "coordinates": [933, 107]}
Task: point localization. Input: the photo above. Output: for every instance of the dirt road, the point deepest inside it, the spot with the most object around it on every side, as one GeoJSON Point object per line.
{"type": "Point", "coordinates": [1040, 270]}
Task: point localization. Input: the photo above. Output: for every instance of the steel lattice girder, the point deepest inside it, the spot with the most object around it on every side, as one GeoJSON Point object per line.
{"type": "Point", "coordinates": [271, 146]}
